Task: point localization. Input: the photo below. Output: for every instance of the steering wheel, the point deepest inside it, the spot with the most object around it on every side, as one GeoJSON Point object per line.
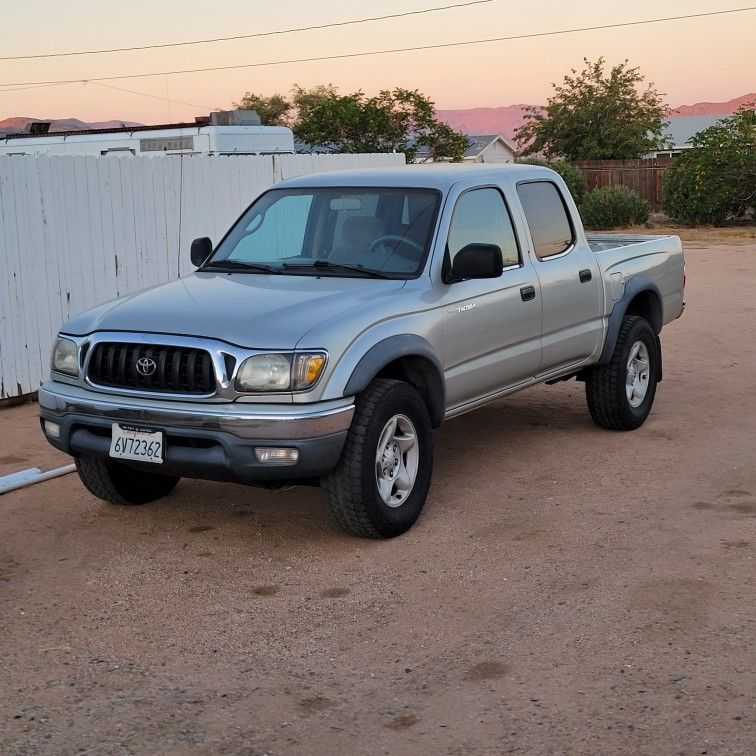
{"type": "Point", "coordinates": [395, 238]}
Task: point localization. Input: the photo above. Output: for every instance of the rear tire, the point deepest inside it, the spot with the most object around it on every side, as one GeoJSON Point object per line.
{"type": "Point", "coordinates": [116, 483]}
{"type": "Point", "coordinates": [381, 481]}
{"type": "Point", "coordinates": [620, 394]}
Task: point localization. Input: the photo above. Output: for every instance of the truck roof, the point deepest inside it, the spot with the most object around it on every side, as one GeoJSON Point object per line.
{"type": "Point", "coordinates": [436, 176]}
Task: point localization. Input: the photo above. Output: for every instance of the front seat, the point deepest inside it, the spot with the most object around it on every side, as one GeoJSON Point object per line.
{"type": "Point", "coordinates": [357, 236]}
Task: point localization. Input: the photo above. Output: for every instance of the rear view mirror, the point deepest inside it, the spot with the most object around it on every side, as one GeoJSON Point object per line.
{"type": "Point", "coordinates": [346, 203]}
{"type": "Point", "coordinates": [476, 261]}
{"type": "Point", "coordinates": [202, 248]}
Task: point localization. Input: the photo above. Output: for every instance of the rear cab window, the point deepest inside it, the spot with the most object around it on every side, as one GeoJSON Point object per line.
{"type": "Point", "coordinates": [547, 218]}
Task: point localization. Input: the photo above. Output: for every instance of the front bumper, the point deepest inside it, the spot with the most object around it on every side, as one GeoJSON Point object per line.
{"type": "Point", "coordinates": [203, 440]}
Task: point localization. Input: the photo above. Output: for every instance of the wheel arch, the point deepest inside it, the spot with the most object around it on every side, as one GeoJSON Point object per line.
{"type": "Point", "coordinates": [409, 358]}
{"type": "Point", "coordinates": [641, 298]}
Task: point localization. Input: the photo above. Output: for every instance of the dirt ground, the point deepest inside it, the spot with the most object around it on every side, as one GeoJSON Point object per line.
{"type": "Point", "coordinates": [567, 590]}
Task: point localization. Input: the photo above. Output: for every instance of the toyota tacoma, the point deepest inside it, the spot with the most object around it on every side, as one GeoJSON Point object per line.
{"type": "Point", "coordinates": [345, 316]}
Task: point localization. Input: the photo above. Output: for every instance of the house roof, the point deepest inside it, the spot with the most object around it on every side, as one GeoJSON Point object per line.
{"type": "Point", "coordinates": [479, 142]}
{"type": "Point", "coordinates": [682, 128]}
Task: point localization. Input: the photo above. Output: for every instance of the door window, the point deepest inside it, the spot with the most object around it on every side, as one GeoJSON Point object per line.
{"type": "Point", "coordinates": [481, 217]}
{"type": "Point", "coordinates": [547, 218]}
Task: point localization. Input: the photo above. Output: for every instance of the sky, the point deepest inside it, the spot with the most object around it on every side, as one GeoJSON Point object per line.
{"type": "Point", "coordinates": [708, 59]}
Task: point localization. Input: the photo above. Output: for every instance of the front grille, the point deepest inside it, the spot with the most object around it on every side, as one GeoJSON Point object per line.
{"type": "Point", "coordinates": [168, 369]}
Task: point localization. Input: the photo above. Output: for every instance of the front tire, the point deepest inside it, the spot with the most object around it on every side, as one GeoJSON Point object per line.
{"type": "Point", "coordinates": [381, 481]}
{"type": "Point", "coordinates": [620, 394]}
{"type": "Point", "coordinates": [116, 483]}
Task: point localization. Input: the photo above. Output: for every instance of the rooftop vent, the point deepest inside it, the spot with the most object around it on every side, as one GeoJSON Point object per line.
{"type": "Point", "coordinates": [39, 127]}
{"type": "Point", "coordinates": [235, 118]}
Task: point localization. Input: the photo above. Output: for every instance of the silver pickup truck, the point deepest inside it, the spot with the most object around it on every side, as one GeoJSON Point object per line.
{"type": "Point", "coordinates": [343, 318]}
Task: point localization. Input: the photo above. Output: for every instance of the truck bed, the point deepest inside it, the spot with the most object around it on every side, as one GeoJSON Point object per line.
{"type": "Point", "coordinates": [605, 242]}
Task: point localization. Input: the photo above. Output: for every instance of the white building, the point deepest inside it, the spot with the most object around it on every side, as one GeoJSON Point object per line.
{"type": "Point", "coordinates": [490, 148]}
{"type": "Point", "coordinates": [223, 133]}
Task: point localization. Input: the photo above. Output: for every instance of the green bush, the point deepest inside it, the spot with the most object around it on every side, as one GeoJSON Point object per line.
{"type": "Point", "coordinates": [716, 178]}
{"type": "Point", "coordinates": [571, 174]}
{"type": "Point", "coordinates": [613, 207]}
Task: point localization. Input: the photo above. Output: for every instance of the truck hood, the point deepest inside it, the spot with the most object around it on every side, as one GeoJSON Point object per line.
{"type": "Point", "coordinates": [249, 310]}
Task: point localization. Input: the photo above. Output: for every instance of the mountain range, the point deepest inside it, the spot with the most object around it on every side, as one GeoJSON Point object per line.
{"type": "Point", "coordinates": [502, 120]}
{"type": "Point", "coordinates": [505, 120]}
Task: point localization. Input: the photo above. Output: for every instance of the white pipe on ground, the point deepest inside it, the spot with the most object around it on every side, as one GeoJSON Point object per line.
{"type": "Point", "coordinates": [30, 477]}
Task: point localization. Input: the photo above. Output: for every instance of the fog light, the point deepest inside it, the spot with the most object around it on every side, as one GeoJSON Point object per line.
{"type": "Point", "coordinates": [276, 455]}
{"type": "Point", "coordinates": [52, 429]}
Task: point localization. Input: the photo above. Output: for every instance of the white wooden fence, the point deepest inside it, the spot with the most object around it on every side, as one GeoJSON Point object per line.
{"type": "Point", "coordinates": [78, 231]}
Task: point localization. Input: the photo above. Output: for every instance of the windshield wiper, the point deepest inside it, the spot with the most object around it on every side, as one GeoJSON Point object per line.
{"type": "Point", "coordinates": [328, 265]}
{"type": "Point", "coordinates": [234, 265]}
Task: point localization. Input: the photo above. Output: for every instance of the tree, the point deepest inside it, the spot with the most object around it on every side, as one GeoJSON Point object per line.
{"type": "Point", "coordinates": [716, 178]}
{"type": "Point", "coordinates": [595, 115]}
{"type": "Point", "coordinates": [398, 120]}
{"type": "Point", "coordinates": [272, 110]}
{"type": "Point", "coordinates": [444, 143]}
{"type": "Point", "coordinates": [306, 99]}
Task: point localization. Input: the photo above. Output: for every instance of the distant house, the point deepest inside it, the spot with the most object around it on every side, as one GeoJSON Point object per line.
{"type": "Point", "coordinates": [491, 148]}
{"type": "Point", "coordinates": [487, 148]}
{"type": "Point", "coordinates": [680, 129]}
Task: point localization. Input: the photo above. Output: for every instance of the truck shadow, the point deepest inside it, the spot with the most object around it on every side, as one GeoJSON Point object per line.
{"type": "Point", "coordinates": [488, 447]}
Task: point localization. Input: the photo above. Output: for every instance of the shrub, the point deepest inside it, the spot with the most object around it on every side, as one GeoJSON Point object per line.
{"type": "Point", "coordinates": [716, 178]}
{"type": "Point", "coordinates": [571, 174]}
{"type": "Point", "coordinates": [613, 207]}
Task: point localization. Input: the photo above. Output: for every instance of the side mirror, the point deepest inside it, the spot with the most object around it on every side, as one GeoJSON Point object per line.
{"type": "Point", "coordinates": [202, 248]}
{"type": "Point", "coordinates": [476, 261]}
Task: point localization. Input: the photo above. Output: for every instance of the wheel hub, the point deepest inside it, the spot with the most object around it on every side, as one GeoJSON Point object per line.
{"type": "Point", "coordinates": [391, 461]}
{"type": "Point", "coordinates": [397, 458]}
{"type": "Point", "coordinates": [638, 374]}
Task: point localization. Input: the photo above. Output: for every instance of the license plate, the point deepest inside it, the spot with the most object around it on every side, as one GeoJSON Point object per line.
{"type": "Point", "coordinates": [137, 443]}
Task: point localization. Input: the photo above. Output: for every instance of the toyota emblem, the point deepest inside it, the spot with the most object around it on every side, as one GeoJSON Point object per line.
{"type": "Point", "coordinates": [146, 366]}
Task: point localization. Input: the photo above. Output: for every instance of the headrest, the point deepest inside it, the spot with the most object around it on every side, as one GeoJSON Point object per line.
{"type": "Point", "coordinates": [362, 230]}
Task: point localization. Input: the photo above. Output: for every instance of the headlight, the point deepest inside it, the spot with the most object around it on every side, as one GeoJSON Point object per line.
{"type": "Point", "coordinates": [264, 372]}
{"type": "Point", "coordinates": [64, 357]}
{"type": "Point", "coordinates": [280, 372]}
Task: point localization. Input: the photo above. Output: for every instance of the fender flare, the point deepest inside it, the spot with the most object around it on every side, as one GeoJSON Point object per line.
{"type": "Point", "coordinates": [393, 348]}
{"type": "Point", "coordinates": [636, 285]}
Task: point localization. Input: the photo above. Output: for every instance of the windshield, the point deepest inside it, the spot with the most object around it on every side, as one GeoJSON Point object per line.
{"type": "Point", "coordinates": [345, 232]}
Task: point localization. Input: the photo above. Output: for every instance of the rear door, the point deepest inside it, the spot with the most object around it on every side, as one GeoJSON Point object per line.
{"type": "Point", "coordinates": [492, 327]}
{"type": "Point", "coordinates": [568, 274]}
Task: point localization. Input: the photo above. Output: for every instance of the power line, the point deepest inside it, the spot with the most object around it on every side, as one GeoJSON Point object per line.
{"type": "Point", "coordinates": [34, 86]}
{"type": "Point", "coordinates": [154, 97]}
{"type": "Point", "coordinates": [382, 52]}
{"type": "Point", "coordinates": [334, 24]}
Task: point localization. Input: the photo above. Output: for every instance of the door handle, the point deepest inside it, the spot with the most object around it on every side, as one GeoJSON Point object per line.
{"type": "Point", "coordinates": [585, 275]}
{"type": "Point", "coordinates": [527, 293]}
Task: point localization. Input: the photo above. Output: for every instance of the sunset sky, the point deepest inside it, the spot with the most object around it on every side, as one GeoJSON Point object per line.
{"type": "Point", "coordinates": [691, 60]}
